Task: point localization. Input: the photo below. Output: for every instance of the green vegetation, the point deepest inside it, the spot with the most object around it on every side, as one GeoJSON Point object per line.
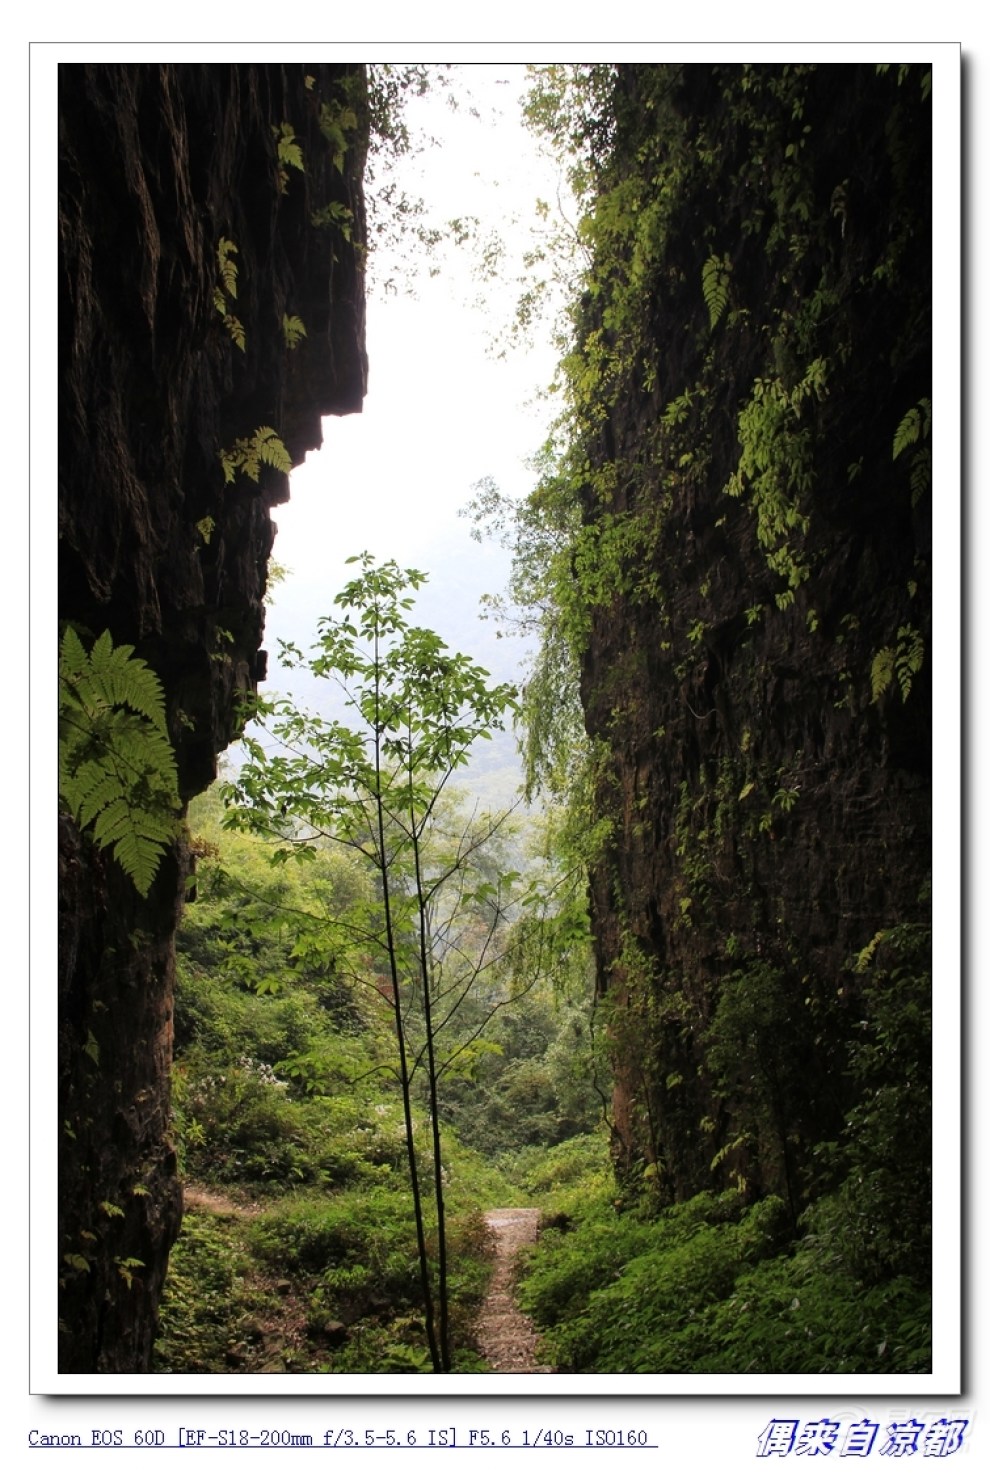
{"type": "Point", "coordinates": [247, 454]}
{"type": "Point", "coordinates": [386, 1020]}
{"type": "Point", "coordinates": [715, 1286]}
{"type": "Point", "coordinates": [715, 535]}
{"type": "Point", "coordinates": [376, 791]}
{"type": "Point", "coordinates": [722, 1283]}
{"type": "Point", "coordinates": [351, 977]}
{"type": "Point", "coordinates": [299, 1251]}
{"type": "Point", "coordinates": [116, 765]}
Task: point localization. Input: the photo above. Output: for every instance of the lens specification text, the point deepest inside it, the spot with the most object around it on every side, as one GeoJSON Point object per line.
{"type": "Point", "coordinates": [376, 1437]}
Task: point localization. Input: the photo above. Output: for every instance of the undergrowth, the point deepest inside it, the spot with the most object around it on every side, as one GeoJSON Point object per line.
{"type": "Point", "coordinates": [714, 1286]}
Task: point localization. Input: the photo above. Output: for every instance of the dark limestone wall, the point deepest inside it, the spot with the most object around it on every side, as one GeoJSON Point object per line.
{"type": "Point", "coordinates": [757, 678]}
{"type": "Point", "coordinates": [158, 164]}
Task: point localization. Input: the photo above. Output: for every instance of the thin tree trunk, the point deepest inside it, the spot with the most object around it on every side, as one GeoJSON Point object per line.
{"type": "Point", "coordinates": [431, 1068]}
{"type": "Point", "coordinates": [424, 1263]}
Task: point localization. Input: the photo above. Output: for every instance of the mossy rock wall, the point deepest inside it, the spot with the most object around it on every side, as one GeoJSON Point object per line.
{"type": "Point", "coordinates": [754, 382]}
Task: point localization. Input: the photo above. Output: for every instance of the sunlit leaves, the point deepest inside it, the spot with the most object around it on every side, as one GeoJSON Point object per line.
{"type": "Point", "coordinates": [247, 454]}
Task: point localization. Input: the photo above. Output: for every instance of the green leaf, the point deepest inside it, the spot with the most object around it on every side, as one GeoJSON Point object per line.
{"type": "Point", "coordinates": [228, 268]}
{"type": "Point", "coordinates": [715, 275]}
{"type": "Point", "coordinates": [117, 771]}
{"type": "Point", "coordinates": [235, 329]}
{"type": "Point", "coordinates": [289, 151]}
{"type": "Point", "coordinates": [294, 330]}
{"type": "Point", "coordinates": [248, 453]}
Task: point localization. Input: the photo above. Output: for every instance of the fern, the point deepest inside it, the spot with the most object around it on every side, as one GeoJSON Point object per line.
{"type": "Point", "coordinates": [248, 453]}
{"type": "Point", "coordinates": [289, 151]}
{"type": "Point", "coordinates": [335, 214]}
{"type": "Point", "coordinates": [882, 672]}
{"type": "Point", "coordinates": [294, 329]}
{"type": "Point", "coordinates": [921, 474]}
{"type": "Point", "coordinates": [909, 659]}
{"type": "Point", "coordinates": [227, 288]}
{"type": "Point", "coordinates": [902, 663]}
{"type": "Point", "coordinates": [228, 268]}
{"type": "Point", "coordinates": [908, 431]}
{"type": "Point", "coordinates": [235, 329]}
{"type": "Point", "coordinates": [915, 426]}
{"type": "Point", "coordinates": [715, 286]}
{"type": "Point", "coordinates": [864, 960]}
{"type": "Point", "coordinates": [117, 772]}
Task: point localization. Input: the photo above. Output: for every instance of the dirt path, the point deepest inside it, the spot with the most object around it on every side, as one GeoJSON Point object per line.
{"type": "Point", "coordinates": [506, 1337]}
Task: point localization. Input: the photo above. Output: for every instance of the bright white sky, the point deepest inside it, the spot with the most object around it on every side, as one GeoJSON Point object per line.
{"type": "Point", "coordinates": [442, 411]}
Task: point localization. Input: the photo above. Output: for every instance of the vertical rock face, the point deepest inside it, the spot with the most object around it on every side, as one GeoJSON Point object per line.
{"type": "Point", "coordinates": [756, 661]}
{"type": "Point", "coordinates": [205, 212]}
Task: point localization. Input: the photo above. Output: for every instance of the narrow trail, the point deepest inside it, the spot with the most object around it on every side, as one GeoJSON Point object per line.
{"type": "Point", "coordinates": [506, 1338]}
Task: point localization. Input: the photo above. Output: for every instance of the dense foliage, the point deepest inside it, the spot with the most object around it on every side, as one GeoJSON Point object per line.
{"type": "Point", "coordinates": [723, 1283]}
{"type": "Point", "coordinates": [351, 974]}
{"type": "Point", "coordinates": [299, 1248]}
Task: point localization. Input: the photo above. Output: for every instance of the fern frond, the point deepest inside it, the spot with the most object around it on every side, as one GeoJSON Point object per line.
{"type": "Point", "coordinates": [715, 286]}
{"type": "Point", "coordinates": [882, 672]}
{"type": "Point", "coordinates": [123, 680]}
{"type": "Point", "coordinates": [289, 151]}
{"type": "Point", "coordinates": [139, 856]}
{"type": "Point", "coordinates": [235, 329]}
{"type": "Point", "coordinates": [271, 449]}
{"type": "Point", "coordinates": [908, 431]}
{"type": "Point", "coordinates": [902, 663]}
{"type": "Point", "coordinates": [294, 330]}
{"type": "Point", "coordinates": [117, 771]}
{"type": "Point", "coordinates": [248, 453]}
{"type": "Point", "coordinates": [73, 659]}
{"type": "Point", "coordinates": [229, 461]}
{"type": "Point", "coordinates": [910, 658]}
{"type": "Point", "coordinates": [921, 474]}
{"type": "Point", "coordinates": [228, 269]}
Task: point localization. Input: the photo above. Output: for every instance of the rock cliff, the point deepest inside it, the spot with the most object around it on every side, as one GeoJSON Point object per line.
{"type": "Point", "coordinates": [212, 238]}
{"type": "Point", "coordinates": [752, 396]}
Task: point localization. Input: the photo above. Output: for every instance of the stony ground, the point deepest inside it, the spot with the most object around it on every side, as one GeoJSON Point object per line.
{"type": "Point", "coordinates": [506, 1338]}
